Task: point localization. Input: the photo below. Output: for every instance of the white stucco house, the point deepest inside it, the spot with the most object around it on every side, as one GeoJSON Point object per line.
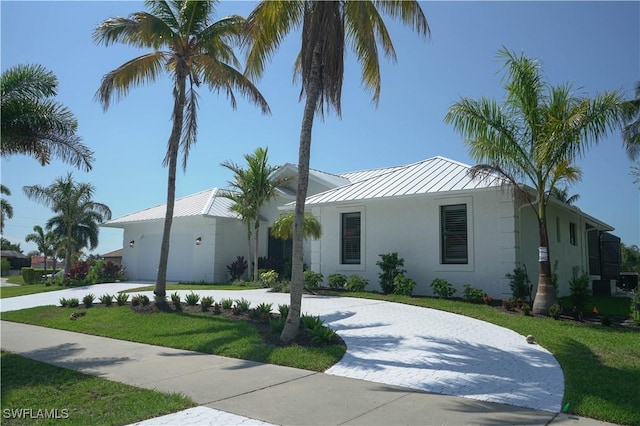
{"type": "Point", "coordinates": [443, 223]}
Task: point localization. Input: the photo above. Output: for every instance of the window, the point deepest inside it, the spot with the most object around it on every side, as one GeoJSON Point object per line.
{"type": "Point", "coordinates": [572, 234]}
{"type": "Point", "coordinates": [558, 229]}
{"type": "Point", "coordinates": [453, 234]}
{"type": "Point", "coordinates": [350, 247]}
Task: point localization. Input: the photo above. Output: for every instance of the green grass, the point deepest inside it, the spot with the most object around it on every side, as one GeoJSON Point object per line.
{"type": "Point", "coordinates": [77, 398]}
{"type": "Point", "coordinates": [27, 289]}
{"type": "Point", "coordinates": [612, 306]}
{"type": "Point", "coordinates": [15, 279]}
{"type": "Point", "coordinates": [601, 365]}
{"type": "Point", "coordinates": [190, 331]}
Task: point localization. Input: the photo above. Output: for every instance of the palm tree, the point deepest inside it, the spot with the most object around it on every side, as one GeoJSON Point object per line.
{"type": "Point", "coordinates": [327, 27]}
{"type": "Point", "coordinates": [563, 195]}
{"type": "Point", "coordinates": [193, 50]}
{"type": "Point", "coordinates": [6, 209]}
{"type": "Point", "coordinates": [282, 227]}
{"type": "Point", "coordinates": [256, 186]}
{"type": "Point", "coordinates": [77, 215]}
{"type": "Point", "coordinates": [43, 242]}
{"type": "Point", "coordinates": [33, 123]}
{"type": "Point", "coordinates": [532, 139]}
{"type": "Point", "coordinates": [241, 203]}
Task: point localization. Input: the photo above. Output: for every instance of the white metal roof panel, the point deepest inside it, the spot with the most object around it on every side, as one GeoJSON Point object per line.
{"type": "Point", "coordinates": [204, 203]}
{"type": "Point", "coordinates": [437, 174]}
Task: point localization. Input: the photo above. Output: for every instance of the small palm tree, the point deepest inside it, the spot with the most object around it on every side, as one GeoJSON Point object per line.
{"type": "Point", "coordinates": [327, 28]}
{"type": "Point", "coordinates": [563, 195]}
{"type": "Point", "coordinates": [194, 50]}
{"type": "Point", "coordinates": [39, 237]}
{"type": "Point", "coordinates": [77, 215]}
{"type": "Point", "coordinates": [532, 139]}
{"type": "Point", "coordinates": [256, 186]}
{"type": "Point", "coordinates": [282, 227]}
{"type": "Point", "coordinates": [33, 123]}
{"type": "Point", "coordinates": [6, 211]}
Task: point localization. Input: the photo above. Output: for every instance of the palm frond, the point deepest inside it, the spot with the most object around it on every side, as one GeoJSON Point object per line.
{"type": "Point", "coordinates": [190, 128]}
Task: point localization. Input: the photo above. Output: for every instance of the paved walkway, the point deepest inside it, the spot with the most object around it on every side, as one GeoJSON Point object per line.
{"type": "Point", "coordinates": [393, 351]}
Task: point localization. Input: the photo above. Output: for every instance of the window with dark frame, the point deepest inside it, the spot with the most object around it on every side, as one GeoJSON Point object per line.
{"type": "Point", "coordinates": [572, 234]}
{"type": "Point", "coordinates": [350, 247]}
{"type": "Point", "coordinates": [453, 234]}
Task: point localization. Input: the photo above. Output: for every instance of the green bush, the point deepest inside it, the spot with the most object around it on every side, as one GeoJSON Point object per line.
{"type": "Point", "coordinates": [122, 298]}
{"type": "Point", "coordinates": [284, 311]}
{"type": "Point", "coordinates": [355, 283]}
{"type": "Point", "coordinates": [192, 299]}
{"type": "Point", "coordinates": [312, 279]}
{"type": "Point", "coordinates": [580, 291]}
{"type": "Point", "coordinates": [205, 303]}
{"type": "Point", "coordinates": [277, 325]}
{"type": "Point", "coordinates": [106, 299]}
{"type": "Point", "coordinates": [140, 299]}
{"type": "Point", "coordinates": [519, 283]}
{"type": "Point", "coordinates": [322, 335]}
{"type": "Point", "coordinates": [226, 303]}
{"type": "Point", "coordinates": [268, 278]}
{"type": "Point", "coordinates": [309, 322]}
{"type": "Point", "coordinates": [31, 276]}
{"type": "Point", "coordinates": [5, 267]}
{"type": "Point", "coordinates": [442, 288]}
{"type": "Point", "coordinates": [555, 311]}
{"type": "Point", "coordinates": [243, 305]}
{"type": "Point", "coordinates": [337, 281]}
{"type": "Point", "coordinates": [472, 294]}
{"type": "Point", "coordinates": [175, 299]}
{"type": "Point", "coordinates": [73, 302]}
{"type": "Point", "coordinates": [88, 300]}
{"type": "Point", "coordinates": [281, 287]}
{"type": "Point", "coordinates": [64, 302]}
{"type": "Point", "coordinates": [391, 265]}
{"type": "Point", "coordinates": [403, 286]}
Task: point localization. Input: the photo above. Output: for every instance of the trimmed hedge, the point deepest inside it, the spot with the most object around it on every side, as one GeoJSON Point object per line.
{"type": "Point", "coordinates": [31, 276]}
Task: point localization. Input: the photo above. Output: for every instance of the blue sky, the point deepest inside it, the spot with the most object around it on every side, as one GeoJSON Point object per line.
{"type": "Point", "coordinates": [593, 45]}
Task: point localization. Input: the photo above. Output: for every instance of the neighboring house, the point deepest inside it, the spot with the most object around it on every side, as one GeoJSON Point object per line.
{"type": "Point", "coordinates": [206, 235]}
{"type": "Point", "coordinates": [37, 262]}
{"type": "Point", "coordinates": [443, 223]}
{"type": "Point", "coordinates": [113, 256]}
{"type": "Point", "coordinates": [16, 259]}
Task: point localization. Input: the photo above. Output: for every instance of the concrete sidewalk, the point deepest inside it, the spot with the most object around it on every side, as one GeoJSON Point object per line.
{"type": "Point", "coordinates": [231, 391]}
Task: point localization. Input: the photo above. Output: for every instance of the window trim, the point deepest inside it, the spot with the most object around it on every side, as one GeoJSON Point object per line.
{"type": "Point", "coordinates": [351, 262]}
{"type": "Point", "coordinates": [444, 234]}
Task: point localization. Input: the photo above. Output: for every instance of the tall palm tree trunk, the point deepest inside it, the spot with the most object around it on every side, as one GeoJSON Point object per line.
{"type": "Point", "coordinates": [255, 255]}
{"type": "Point", "coordinates": [248, 249]}
{"type": "Point", "coordinates": [546, 293]}
{"type": "Point", "coordinates": [174, 144]}
{"type": "Point", "coordinates": [292, 324]}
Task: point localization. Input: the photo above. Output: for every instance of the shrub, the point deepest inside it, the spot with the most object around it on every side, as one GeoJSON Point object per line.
{"type": "Point", "coordinates": [488, 300]}
{"type": "Point", "coordinates": [30, 276]}
{"type": "Point", "coordinates": [580, 291]}
{"type": "Point", "coordinates": [391, 265]}
{"type": "Point", "coordinates": [310, 322]}
{"type": "Point", "coordinates": [322, 335]}
{"type": "Point", "coordinates": [403, 286]}
{"type": "Point", "coordinates": [442, 288]}
{"type": "Point", "coordinates": [73, 303]}
{"type": "Point", "coordinates": [237, 268]}
{"type": "Point", "coordinates": [355, 283]}
{"type": "Point", "coordinates": [312, 279]}
{"type": "Point", "coordinates": [526, 309]}
{"type": "Point", "coordinates": [281, 287]}
{"type": "Point", "coordinates": [192, 299]}
{"type": "Point", "coordinates": [472, 294]}
{"type": "Point", "coordinates": [175, 299]}
{"type": "Point", "coordinates": [106, 299]}
{"type": "Point", "coordinates": [264, 309]}
{"type": "Point", "coordinates": [509, 304]}
{"type": "Point", "coordinates": [555, 311]}
{"type": "Point", "coordinates": [122, 298]}
{"type": "Point", "coordinates": [635, 307]}
{"type": "Point", "coordinates": [64, 302]}
{"type": "Point", "coordinates": [205, 303]}
{"type": "Point", "coordinates": [111, 271]}
{"type": "Point", "coordinates": [88, 300]}
{"type": "Point", "coordinates": [226, 303]}
{"type": "Point", "coordinates": [268, 278]}
{"type": "Point", "coordinates": [337, 281]}
{"type": "Point", "coordinates": [520, 285]}
{"type": "Point", "coordinates": [284, 311]}
{"type": "Point", "coordinates": [139, 299]}
{"type": "Point", "coordinates": [79, 271]}
{"type": "Point", "coordinates": [5, 267]}
{"type": "Point", "coordinates": [277, 325]}
{"type": "Point", "coordinates": [243, 305]}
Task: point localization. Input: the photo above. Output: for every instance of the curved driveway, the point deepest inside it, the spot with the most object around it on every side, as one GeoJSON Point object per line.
{"type": "Point", "coordinates": [404, 345]}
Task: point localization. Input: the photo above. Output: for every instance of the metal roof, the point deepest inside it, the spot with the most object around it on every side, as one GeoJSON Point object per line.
{"type": "Point", "coordinates": [205, 203]}
{"type": "Point", "coordinates": [437, 174]}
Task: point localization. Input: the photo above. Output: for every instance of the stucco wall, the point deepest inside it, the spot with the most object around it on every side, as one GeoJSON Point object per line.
{"type": "Point", "coordinates": [411, 227]}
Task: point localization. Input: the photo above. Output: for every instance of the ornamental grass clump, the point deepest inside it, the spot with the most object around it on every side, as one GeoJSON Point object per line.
{"type": "Point", "coordinates": [205, 303]}
{"type": "Point", "coordinates": [88, 300]}
{"type": "Point", "coordinates": [192, 299]}
{"type": "Point", "coordinates": [122, 298]}
{"type": "Point", "coordinates": [106, 299]}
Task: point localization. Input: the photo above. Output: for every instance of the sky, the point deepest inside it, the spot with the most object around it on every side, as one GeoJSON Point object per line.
{"type": "Point", "coordinates": [595, 46]}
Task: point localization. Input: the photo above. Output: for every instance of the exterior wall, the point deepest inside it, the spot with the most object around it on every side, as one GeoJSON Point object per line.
{"type": "Point", "coordinates": [572, 260]}
{"type": "Point", "coordinates": [187, 261]}
{"type": "Point", "coordinates": [411, 227]}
